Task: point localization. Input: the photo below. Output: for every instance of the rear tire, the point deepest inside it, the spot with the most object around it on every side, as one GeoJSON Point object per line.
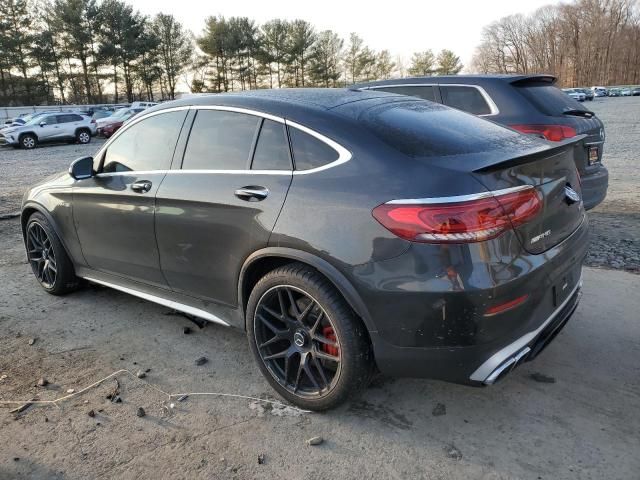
{"type": "Point", "coordinates": [49, 261]}
{"type": "Point", "coordinates": [323, 356]}
{"type": "Point", "coordinates": [83, 136]}
{"type": "Point", "coordinates": [28, 141]}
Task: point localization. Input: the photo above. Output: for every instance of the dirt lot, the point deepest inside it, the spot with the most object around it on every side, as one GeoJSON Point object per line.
{"type": "Point", "coordinates": [584, 424]}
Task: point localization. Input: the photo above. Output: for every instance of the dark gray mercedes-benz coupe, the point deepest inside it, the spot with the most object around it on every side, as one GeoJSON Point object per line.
{"type": "Point", "coordinates": [343, 230]}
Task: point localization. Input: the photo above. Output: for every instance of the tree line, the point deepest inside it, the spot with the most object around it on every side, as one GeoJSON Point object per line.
{"type": "Point", "coordinates": [103, 51]}
{"type": "Point", "coordinates": [583, 43]}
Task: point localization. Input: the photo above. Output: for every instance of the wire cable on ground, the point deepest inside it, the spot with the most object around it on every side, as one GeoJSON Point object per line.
{"type": "Point", "coordinates": [153, 387]}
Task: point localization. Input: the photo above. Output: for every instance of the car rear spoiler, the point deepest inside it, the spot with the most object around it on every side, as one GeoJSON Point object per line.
{"type": "Point", "coordinates": [542, 78]}
{"type": "Point", "coordinates": [489, 164]}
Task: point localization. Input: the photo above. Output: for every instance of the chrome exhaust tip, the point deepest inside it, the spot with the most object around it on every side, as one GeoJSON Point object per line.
{"type": "Point", "coordinates": [506, 366]}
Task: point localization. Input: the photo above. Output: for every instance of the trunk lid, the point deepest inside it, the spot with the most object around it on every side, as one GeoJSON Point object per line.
{"type": "Point", "coordinates": [552, 172]}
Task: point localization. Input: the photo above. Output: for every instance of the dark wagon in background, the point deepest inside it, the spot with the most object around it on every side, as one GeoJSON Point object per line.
{"type": "Point", "coordinates": [341, 229]}
{"type": "Point", "coordinates": [528, 103]}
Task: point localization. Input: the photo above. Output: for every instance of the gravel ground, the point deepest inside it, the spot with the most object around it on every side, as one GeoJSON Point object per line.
{"type": "Point", "coordinates": [572, 413]}
{"type": "Point", "coordinates": [615, 224]}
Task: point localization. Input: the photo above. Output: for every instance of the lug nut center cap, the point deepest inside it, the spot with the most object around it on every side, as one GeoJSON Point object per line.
{"type": "Point", "coordinates": [299, 338]}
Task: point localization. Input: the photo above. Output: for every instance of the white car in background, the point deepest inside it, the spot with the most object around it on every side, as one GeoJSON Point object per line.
{"type": "Point", "coordinates": [599, 91]}
{"type": "Point", "coordinates": [575, 94]}
{"type": "Point", "coordinates": [51, 127]}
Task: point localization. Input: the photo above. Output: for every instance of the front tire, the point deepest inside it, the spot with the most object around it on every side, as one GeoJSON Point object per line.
{"type": "Point", "coordinates": [28, 141]}
{"type": "Point", "coordinates": [308, 343]}
{"type": "Point", "coordinates": [49, 261]}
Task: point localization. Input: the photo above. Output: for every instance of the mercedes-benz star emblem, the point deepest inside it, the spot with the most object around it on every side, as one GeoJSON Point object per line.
{"type": "Point", "coordinates": [571, 196]}
{"type": "Point", "coordinates": [298, 339]}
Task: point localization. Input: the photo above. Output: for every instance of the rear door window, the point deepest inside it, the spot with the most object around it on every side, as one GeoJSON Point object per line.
{"type": "Point", "coordinates": [548, 99]}
{"type": "Point", "coordinates": [272, 149]}
{"type": "Point", "coordinates": [426, 92]}
{"type": "Point", "coordinates": [310, 152]}
{"type": "Point", "coordinates": [468, 99]}
{"type": "Point", "coordinates": [220, 140]}
{"type": "Point", "coordinates": [147, 145]}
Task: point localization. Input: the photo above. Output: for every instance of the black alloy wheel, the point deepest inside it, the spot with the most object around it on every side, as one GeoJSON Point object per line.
{"type": "Point", "coordinates": [41, 255]}
{"type": "Point", "coordinates": [48, 259]}
{"type": "Point", "coordinates": [308, 343]}
{"type": "Point", "coordinates": [297, 341]}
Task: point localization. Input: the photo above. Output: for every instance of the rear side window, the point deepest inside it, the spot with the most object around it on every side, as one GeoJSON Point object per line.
{"type": "Point", "coordinates": [548, 99]}
{"type": "Point", "coordinates": [220, 140]}
{"type": "Point", "coordinates": [468, 99]}
{"type": "Point", "coordinates": [272, 149]}
{"type": "Point", "coordinates": [424, 129]}
{"type": "Point", "coordinates": [426, 92]}
{"type": "Point", "coordinates": [66, 118]}
{"type": "Point", "coordinates": [147, 145]}
{"type": "Point", "coordinates": [310, 152]}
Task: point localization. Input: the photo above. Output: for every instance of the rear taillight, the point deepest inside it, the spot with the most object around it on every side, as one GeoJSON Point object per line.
{"type": "Point", "coordinates": [454, 221]}
{"type": "Point", "coordinates": [554, 133]}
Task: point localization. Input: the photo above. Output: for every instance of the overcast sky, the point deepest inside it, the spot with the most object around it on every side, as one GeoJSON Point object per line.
{"type": "Point", "coordinates": [402, 27]}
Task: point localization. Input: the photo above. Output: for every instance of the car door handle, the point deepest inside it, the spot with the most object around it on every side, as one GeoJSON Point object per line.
{"type": "Point", "coordinates": [143, 186]}
{"type": "Point", "coordinates": [252, 193]}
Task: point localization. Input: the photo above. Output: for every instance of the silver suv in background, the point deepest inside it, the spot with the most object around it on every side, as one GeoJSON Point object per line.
{"type": "Point", "coordinates": [53, 127]}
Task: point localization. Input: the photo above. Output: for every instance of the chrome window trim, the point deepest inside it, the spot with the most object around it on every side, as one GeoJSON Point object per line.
{"type": "Point", "coordinates": [458, 198]}
{"type": "Point", "coordinates": [494, 110]}
{"type": "Point", "coordinates": [484, 371]}
{"type": "Point", "coordinates": [199, 172]}
{"type": "Point", "coordinates": [162, 301]}
{"type": "Point", "coordinates": [344, 155]}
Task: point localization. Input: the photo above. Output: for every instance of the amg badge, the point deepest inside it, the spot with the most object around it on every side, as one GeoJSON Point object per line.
{"type": "Point", "coordinates": [540, 237]}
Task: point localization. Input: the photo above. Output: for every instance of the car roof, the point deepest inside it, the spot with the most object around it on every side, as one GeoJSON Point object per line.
{"type": "Point", "coordinates": [472, 79]}
{"type": "Point", "coordinates": [286, 102]}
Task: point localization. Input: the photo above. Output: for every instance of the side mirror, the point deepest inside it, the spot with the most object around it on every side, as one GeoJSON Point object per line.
{"type": "Point", "coordinates": [42, 124]}
{"type": "Point", "coordinates": [82, 168]}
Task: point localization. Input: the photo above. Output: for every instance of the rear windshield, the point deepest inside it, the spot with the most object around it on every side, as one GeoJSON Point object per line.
{"type": "Point", "coordinates": [548, 99]}
{"type": "Point", "coordinates": [425, 129]}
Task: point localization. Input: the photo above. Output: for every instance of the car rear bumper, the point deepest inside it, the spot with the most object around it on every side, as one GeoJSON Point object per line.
{"type": "Point", "coordinates": [528, 346]}
{"type": "Point", "coordinates": [425, 329]}
{"type": "Point", "coordinates": [594, 187]}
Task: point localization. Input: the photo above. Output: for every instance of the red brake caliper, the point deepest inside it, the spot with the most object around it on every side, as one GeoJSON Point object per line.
{"type": "Point", "coordinates": [331, 335]}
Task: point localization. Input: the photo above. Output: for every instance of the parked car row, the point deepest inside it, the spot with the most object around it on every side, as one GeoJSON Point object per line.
{"type": "Point", "coordinates": [615, 91]}
{"type": "Point", "coordinates": [342, 229]}
{"type": "Point", "coordinates": [29, 130]}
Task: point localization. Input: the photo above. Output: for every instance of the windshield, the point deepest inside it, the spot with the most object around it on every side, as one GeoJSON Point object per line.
{"type": "Point", "coordinates": [34, 119]}
{"type": "Point", "coordinates": [120, 113]}
{"type": "Point", "coordinates": [548, 99]}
